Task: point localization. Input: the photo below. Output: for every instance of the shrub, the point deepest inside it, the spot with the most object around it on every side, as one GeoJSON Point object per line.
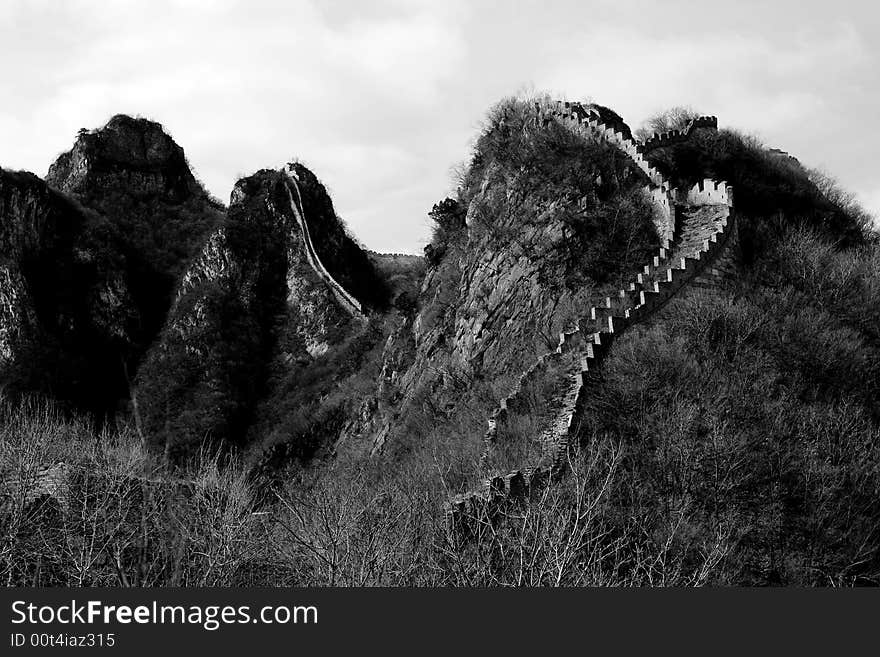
{"type": "Point", "coordinates": [675, 118]}
{"type": "Point", "coordinates": [767, 187]}
{"type": "Point", "coordinates": [749, 411]}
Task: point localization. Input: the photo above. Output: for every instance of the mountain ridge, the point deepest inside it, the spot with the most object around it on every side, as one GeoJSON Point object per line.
{"type": "Point", "coordinates": [677, 332]}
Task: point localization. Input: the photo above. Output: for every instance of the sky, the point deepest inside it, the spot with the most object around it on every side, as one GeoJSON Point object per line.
{"type": "Point", "coordinates": [382, 100]}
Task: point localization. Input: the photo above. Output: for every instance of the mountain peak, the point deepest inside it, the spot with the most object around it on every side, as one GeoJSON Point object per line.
{"type": "Point", "coordinates": [127, 151]}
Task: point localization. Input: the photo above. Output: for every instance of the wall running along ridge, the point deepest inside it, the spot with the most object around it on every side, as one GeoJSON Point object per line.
{"type": "Point", "coordinates": [345, 299]}
{"type": "Point", "coordinates": [661, 139]}
{"type": "Point", "coordinates": [698, 253]}
{"type": "Point", "coordinates": [586, 122]}
{"type": "Point", "coordinates": [47, 481]}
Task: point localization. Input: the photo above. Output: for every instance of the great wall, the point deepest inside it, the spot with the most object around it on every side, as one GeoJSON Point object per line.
{"type": "Point", "coordinates": [698, 250]}
{"type": "Point", "coordinates": [697, 231]}
{"type": "Point", "coordinates": [659, 140]}
{"type": "Point", "coordinates": [215, 252]}
{"type": "Point", "coordinates": [345, 299]}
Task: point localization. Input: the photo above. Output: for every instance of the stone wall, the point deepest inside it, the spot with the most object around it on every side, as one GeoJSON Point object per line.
{"type": "Point", "coordinates": [659, 140]}
{"type": "Point", "coordinates": [702, 258]}
{"type": "Point", "coordinates": [587, 121]}
{"type": "Point", "coordinates": [345, 299]}
{"type": "Point", "coordinates": [709, 192]}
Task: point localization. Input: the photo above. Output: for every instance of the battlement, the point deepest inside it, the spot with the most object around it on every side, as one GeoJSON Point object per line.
{"type": "Point", "coordinates": [659, 140]}
{"type": "Point", "coordinates": [709, 192]}
{"type": "Point", "coordinates": [512, 402]}
{"type": "Point", "coordinates": [708, 122]}
{"type": "Point", "coordinates": [470, 509]}
{"type": "Point", "coordinates": [698, 257]}
{"type": "Point", "coordinates": [587, 121]}
{"type": "Point", "coordinates": [662, 201]}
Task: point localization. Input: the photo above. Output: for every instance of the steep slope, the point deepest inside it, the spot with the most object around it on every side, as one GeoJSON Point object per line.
{"type": "Point", "coordinates": [734, 424]}
{"type": "Point", "coordinates": [91, 256]}
{"type": "Point", "coordinates": [769, 185]}
{"type": "Point", "coordinates": [696, 373]}
{"type": "Point", "coordinates": [546, 220]}
{"type": "Point", "coordinates": [253, 312]}
{"type": "Point", "coordinates": [67, 315]}
{"type": "Point", "coordinates": [134, 175]}
{"type": "Point", "coordinates": [28, 220]}
{"type": "Point", "coordinates": [697, 252]}
{"type": "Point", "coordinates": [127, 153]}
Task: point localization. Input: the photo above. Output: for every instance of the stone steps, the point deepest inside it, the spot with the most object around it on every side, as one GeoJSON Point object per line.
{"type": "Point", "coordinates": [697, 225]}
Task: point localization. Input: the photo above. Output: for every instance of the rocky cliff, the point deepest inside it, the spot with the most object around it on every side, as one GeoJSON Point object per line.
{"type": "Point", "coordinates": [268, 326]}
{"type": "Point", "coordinates": [133, 154]}
{"type": "Point", "coordinates": [26, 210]}
{"type": "Point", "coordinates": [651, 363]}
{"type": "Point", "coordinates": [249, 316]}
{"type": "Point", "coordinates": [90, 257]}
{"type": "Point", "coordinates": [133, 174]}
{"type": "Point", "coordinates": [545, 221]}
{"type": "Point", "coordinates": [66, 308]}
{"type": "Point", "coordinates": [253, 313]}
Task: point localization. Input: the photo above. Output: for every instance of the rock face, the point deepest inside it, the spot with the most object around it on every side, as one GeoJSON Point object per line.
{"type": "Point", "coordinates": [134, 174]}
{"type": "Point", "coordinates": [257, 325]}
{"type": "Point", "coordinates": [64, 302]}
{"type": "Point", "coordinates": [537, 235]}
{"type": "Point", "coordinates": [120, 274]}
{"type": "Point", "coordinates": [25, 210]}
{"type": "Point", "coordinates": [89, 259]}
{"type": "Point", "coordinates": [134, 154]}
{"type": "Point", "coordinates": [262, 298]}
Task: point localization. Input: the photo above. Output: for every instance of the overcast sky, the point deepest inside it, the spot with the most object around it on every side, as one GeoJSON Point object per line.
{"type": "Point", "coordinates": [382, 99]}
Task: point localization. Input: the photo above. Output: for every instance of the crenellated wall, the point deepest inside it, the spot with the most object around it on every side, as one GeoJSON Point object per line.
{"type": "Point", "coordinates": [661, 139]}
{"type": "Point", "coordinates": [513, 401]}
{"type": "Point", "coordinates": [587, 121]}
{"type": "Point", "coordinates": [663, 203]}
{"type": "Point", "coordinates": [27, 488]}
{"type": "Point", "coordinates": [709, 192]}
{"type": "Point", "coordinates": [698, 252]}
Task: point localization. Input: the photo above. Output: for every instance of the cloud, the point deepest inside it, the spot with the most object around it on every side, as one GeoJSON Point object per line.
{"type": "Point", "coordinates": [246, 85]}
{"type": "Point", "coordinates": [382, 98]}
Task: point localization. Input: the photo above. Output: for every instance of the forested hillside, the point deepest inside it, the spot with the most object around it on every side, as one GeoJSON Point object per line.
{"type": "Point", "coordinates": [626, 358]}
